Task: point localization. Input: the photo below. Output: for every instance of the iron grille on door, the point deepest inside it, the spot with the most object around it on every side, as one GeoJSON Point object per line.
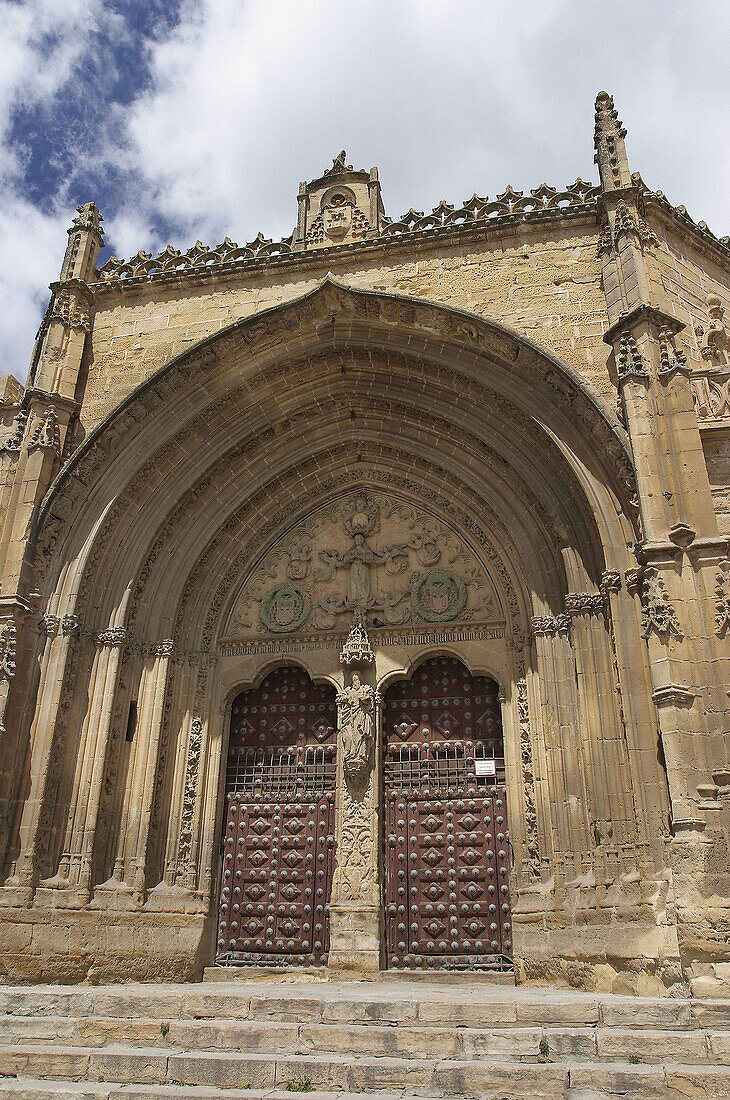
{"type": "Point", "coordinates": [446, 836]}
{"type": "Point", "coordinates": [278, 837]}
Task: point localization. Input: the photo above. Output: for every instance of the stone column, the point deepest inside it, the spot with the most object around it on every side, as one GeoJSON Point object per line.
{"type": "Point", "coordinates": [355, 905]}
{"type": "Point", "coordinates": [75, 865]}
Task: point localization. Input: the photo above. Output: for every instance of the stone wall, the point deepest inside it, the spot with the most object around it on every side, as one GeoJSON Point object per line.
{"type": "Point", "coordinates": [543, 283]}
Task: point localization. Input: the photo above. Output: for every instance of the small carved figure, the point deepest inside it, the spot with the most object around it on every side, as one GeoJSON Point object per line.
{"type": "Point", "coordinates": [357, 725]}
{"type": "Point", "coordinates": [715, 340]}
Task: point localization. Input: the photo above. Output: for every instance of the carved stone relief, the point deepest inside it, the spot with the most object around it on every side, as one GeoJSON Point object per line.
{"type": "Point", "coordinates": [357, 706]}
{"type": "Point", "coordinates": [715, 339]}
{"type": "Point", "coordinates": [369, 553]}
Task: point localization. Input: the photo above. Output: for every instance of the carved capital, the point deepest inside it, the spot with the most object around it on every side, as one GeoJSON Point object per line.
{"type": "Point", "coordinates": [70, 624]}
{"type": "Point", "coordinates": [112, 638]}
{"type": "Point", "coordinates": [633, 580]}
{"type": "Point", "coordinates": [49, 625]}
{"type": "Point", "coordinates": [550, 625]}
{"type": "Point", "coordinates": [584, 603]}
{"type": "Point", "coordinates": [610, 582]}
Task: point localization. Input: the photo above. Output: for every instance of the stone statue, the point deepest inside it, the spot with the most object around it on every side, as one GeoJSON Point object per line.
{"type": "Point", "coordinates": [357, 705]}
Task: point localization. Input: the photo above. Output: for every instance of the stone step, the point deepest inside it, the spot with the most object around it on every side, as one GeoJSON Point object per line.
{"type": "Point", "coordinates": [368, 1003]}
{"type": "Point", "coordinates": [38, 1088]}
{"type": "Point", "coordinates": [335, 1073]}
{"type": "Point", "coordinates": [522, 1044]}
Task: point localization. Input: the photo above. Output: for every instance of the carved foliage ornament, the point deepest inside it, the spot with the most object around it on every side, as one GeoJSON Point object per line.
{"type": "Point", "coordinates": [657, 614]}
{"type": "Point", "coordinates": [528, 781]}
{"type": "Point", "coordinates": [71, 311]}
{"type": "Point", "coordinates": [184, 850]}
{"type": "Point", "coordinates": [8, 636]}
{"type": "Point", "coordinates": [630, 361]}
{"type": "Point", "coordinates": [722, 592]}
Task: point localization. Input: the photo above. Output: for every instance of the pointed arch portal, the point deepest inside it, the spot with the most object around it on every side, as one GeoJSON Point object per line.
{"type": "Point", "coordinates": [349, 451]}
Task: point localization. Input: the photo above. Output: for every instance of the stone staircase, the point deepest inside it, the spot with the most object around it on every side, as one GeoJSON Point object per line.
{"type": "Point", "coordinates": [412, 1037]}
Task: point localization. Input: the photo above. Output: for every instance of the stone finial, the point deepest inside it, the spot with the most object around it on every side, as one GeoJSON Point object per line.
{"type": "Point", "coordinates": [613, 164]}
{"type": "Point", "coordinates": [85, 239]}
{"type": "Point", "coordinates": [339, 165]}
{"type": "Point", "coordinates": [88, 217]}
{"type": "Point", "coordinates": [357, 649]}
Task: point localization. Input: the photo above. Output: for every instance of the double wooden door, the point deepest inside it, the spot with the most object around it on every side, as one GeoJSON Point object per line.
{"type": "Point", "coordinates": [447, 851]}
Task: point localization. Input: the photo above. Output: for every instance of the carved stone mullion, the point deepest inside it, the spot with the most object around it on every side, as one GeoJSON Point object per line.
{"type": "Point", "coordinates": [355, 917]}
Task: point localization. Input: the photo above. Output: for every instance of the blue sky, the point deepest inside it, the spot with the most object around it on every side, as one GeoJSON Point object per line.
{"type": "Point", "coordinates": [187, 120]}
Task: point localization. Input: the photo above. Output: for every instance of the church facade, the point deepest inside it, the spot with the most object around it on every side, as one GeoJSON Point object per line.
{"type": "Point", "coordinates": [366, 596]}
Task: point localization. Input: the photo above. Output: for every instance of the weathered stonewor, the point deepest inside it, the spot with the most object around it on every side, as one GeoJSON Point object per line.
{"type": "Point", "coordinates": [497, 438]}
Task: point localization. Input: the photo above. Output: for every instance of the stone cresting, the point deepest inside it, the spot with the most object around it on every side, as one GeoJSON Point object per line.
{"type": "Point", "coordinates": [508, 209]}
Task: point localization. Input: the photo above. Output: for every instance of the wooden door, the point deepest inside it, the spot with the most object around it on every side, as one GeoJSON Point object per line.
{"type": "Point", "coordinates": [278, 833]}
{"type": "Point", "coordinates": [447, 852]}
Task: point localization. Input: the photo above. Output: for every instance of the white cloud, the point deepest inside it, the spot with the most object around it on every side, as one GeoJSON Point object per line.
{"type": "Point", "coordinates": [447, 97]}
{"type": "Point", "coordinates": [43, 41]}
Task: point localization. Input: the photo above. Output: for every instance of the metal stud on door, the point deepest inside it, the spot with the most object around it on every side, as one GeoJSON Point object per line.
{"type": "Point", "coordinates": [447, 847]}
{"type": "Point", "coordinates": [278, 841]}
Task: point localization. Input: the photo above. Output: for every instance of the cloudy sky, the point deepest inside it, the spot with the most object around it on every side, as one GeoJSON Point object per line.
{"type": "Point", "coordinates": [187, 119]}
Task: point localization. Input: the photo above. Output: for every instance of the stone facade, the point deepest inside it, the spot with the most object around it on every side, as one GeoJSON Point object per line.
{"type": "Point", "coordinates": [498, 432]}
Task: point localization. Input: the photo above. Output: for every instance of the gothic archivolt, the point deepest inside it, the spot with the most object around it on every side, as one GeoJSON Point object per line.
{"type": "Point", "coordinates": [364, 552]}
{"type": "Point", "coordinates": [155, 412]}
